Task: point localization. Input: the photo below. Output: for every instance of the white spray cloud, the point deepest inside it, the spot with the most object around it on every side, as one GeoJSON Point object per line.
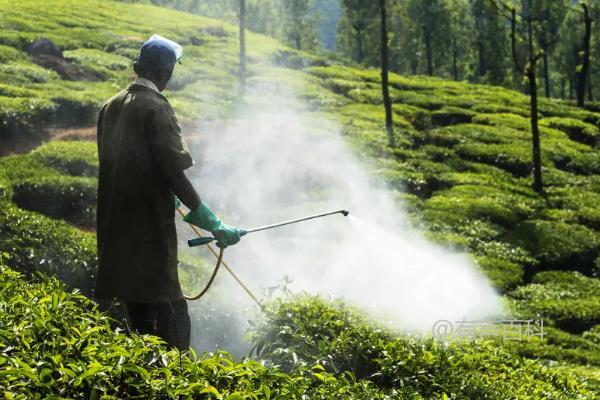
{"type": "Point", "coordinates": [275, 162]}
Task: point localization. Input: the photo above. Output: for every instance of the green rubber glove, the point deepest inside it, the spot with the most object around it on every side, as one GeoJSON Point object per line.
{"type": "Point", "coordinates": [204, 218]}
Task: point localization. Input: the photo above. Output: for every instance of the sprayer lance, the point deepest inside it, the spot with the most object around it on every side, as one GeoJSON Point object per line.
{"type": "Point", "coordinates": [205, 240]}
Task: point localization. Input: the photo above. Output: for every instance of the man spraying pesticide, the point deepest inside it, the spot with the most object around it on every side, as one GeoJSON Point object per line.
{"type": "Point", "coordinates": [142, 158]}
{"type": "Point", "coordinates": [142, 161]}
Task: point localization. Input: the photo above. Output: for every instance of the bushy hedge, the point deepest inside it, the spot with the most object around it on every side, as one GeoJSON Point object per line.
{"type": "Point", "coordinates": [577, 130]}
{"type": "Point", "coordinates": [38, 243]}
{"type": "Point", "coordinates": [310, 330]}
{"type": "Point", "coordinates": [57, 344]}
{"type": "Point", "coordinates": [70, 198]}
{"type": "Point", "coordinates": [568, 299]}
{"type": "Point", "coordinates": [69, 157]}
{"type": "Point", "coordinates": [558, 245]}
{"type": "Point", "coordinates": [479, 202]}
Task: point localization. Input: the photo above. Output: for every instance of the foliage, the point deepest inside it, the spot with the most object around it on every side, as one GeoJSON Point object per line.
{"type": "Point", "coordinates": [56, 344]}
{"type": "Point", "coordinates": [70, 198]}
{"type": "Point", "coordinates": [39, 243]}
{"type": "Point", "coordinates": [569, 299]}
{"type": "Point", "coordinates": [309, 330]}
{"type": "Point", "coordinates": [558, 245]}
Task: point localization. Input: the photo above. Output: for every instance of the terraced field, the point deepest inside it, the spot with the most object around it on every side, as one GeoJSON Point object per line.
{"type": "Point", "coordinates": [461, 168]}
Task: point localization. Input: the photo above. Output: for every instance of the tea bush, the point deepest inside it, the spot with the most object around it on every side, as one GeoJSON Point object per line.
{"type": "Point", "coordinates": [70, 198]}
{"type": "Point", "coordinates": [37, 182]}
{"type": "Point", "coordinates": [558, 245]}
{"type": "Point", "coordinates": [38, 243]}
{"type": "Point", "coordinates": [569, 299]}
{"type": "Point", "coordinates": [309, 330]}
{"type": "Point", "coordinates": [576, 129]}
{"type": "Point", "coordinates": [56, 344]}
{"type": "Point", "coordinates": [593, 334]}
{"type": "Point", "coordinates": [72, 158]}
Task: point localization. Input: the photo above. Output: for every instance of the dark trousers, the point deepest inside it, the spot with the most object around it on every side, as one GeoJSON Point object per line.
{"type": "Point", "coordinates": [169, 321]}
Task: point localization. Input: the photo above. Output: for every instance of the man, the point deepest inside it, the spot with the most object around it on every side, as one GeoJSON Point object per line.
{"type": "Point", "coordinates": [142, 158]}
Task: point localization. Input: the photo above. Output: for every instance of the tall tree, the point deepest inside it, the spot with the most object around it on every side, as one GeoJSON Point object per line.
{"type": "Point", "coordinates": [550, 15]}
{"type": "Point", "coordinates": [529, 70]}
{"type": "Point", "coordinates": [460, 34]}
{"type": "Point", "coordinates": [299, 24]}
{"type": "Point", "coordinates": [387, 102]}
{"type": "Point", "coordinates": [433, 18]}
{"type": "Point", "coordinates": [355, 37]}
{"type": "Point", "coordinates": [490, 43]}
{"type": "Point", "coordinates": [581, 73]}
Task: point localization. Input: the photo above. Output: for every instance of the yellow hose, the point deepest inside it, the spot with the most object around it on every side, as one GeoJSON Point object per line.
{"type": "Point", "coordinates": [220, 262]}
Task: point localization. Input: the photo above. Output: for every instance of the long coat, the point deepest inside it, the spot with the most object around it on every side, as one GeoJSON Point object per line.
{"type": "Point", "coordinates": [139, 148]}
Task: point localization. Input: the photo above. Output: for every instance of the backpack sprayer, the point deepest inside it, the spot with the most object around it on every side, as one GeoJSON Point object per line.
{"type": "Point", "coordinates": [205, 240]}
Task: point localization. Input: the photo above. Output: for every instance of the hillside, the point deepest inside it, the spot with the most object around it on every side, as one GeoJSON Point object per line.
{"type": "Point", "coordinates": [461, 169]}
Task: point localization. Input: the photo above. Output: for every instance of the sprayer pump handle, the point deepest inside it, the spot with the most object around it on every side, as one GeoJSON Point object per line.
{"type": "Point", "coordinates": [200, 241]}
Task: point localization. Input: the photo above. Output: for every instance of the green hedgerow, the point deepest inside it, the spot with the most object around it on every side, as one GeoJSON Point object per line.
{"type": "Point", "coordinates": [593, 334]}
{"type": "Point", "coordinates": [58, 345]}
{"type": "Point", "coordinates": [73, 158]}
{"type": "Point", "coordinates": [558, 245]}
{"type": "Point", "coordinates": [567, 298]}
{"type": "Point", "coordinates": [480, 202]}
{"type": "Point", "coordinates": [576, 129]}
{"type": "Point", "coordinates": [309, 330]}
{"type": "Point", "coordinates": [39, 243]}
{"type": "Point", "coordinates": [70, 198]}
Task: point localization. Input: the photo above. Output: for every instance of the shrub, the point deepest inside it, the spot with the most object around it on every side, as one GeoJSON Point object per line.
{"type": "Point", "coordinates": [479, 202]}
{"type": "Point", "coordinates": [451, 116]}
{"type": "Point", "coordinates": [38, 243]}
{"type": "Point", "coordinates": [73, 158]}
{"type": "Point", "coordinates": [576, 204]}
{"type": "Point", "coordinates": [585, 163]}
{"type": "Point", "coordinates": [569, 299]}
{"type": "Point", "coordinates": [557, 345]}
{"type": "Point", "coordinates": [58, 345]}
{"type": "Point", "coordinates": [514, 158]}
{"type": "Point", "coordinates": [309, 330]}
{"type": "Point", "coordinates": [577, 130]}
{"type": "Point", "coordinates": [558, 245]}
{"type": "Point", "coordinates": [505, 275]}
{"type": "Point", "coordinates": [70, 198]}
{"type": "Point", "coordinates": [593, 334]}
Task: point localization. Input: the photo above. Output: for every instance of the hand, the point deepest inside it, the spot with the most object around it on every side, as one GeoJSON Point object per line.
{"type": "Point", "coordinates": [204, 218]}
{"type": "Point", "coordinates": [226, 235]}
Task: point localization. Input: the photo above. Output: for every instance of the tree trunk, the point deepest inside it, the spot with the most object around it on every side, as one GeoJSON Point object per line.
{"type": "Point", "coordinates": [429, 53]}
{"type": "Point", "coordinates": [359, 45]}
{"type": "Point", "coordinates": [387, 102]}
{"type": "Point", "coordinates": [531, 76]}
{"type": "Point", "coordinates": [590, 90]}
{"type": "Point", "coordinates": [242, 71]}
{"type": "Point", "coordinates": [481, 70]}
{"type": "Point", "coordinates": [581, 75]}
{"type": "Point", "coordinates": [454, 59]}
{"type": "Point", "coordinates": [547, 87]}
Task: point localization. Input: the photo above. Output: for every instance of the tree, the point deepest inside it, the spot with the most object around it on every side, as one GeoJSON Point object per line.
{"type": "Point", "coordinates": [460, 33]}
{"type": "Point", "coordinates": [299, 24]}
{"type": "Point", "coordinates": [581, 72]}
{"type": "Point", "coordinates": [490, 43]}
{"type": "Point", "coordinates": [433, 18]}
{"type": "Point", "coordinates": [387, 102]}
{"type": "Point", "coordinates": [356, 27]}
{"type": "Point", "coordinates": [529, 70]}
{"type": "Point", "coordinates": [551, 14]}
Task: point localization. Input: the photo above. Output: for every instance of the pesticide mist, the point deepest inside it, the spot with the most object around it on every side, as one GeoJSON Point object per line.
{"type": "Point", "coordinates": [277, 160]}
